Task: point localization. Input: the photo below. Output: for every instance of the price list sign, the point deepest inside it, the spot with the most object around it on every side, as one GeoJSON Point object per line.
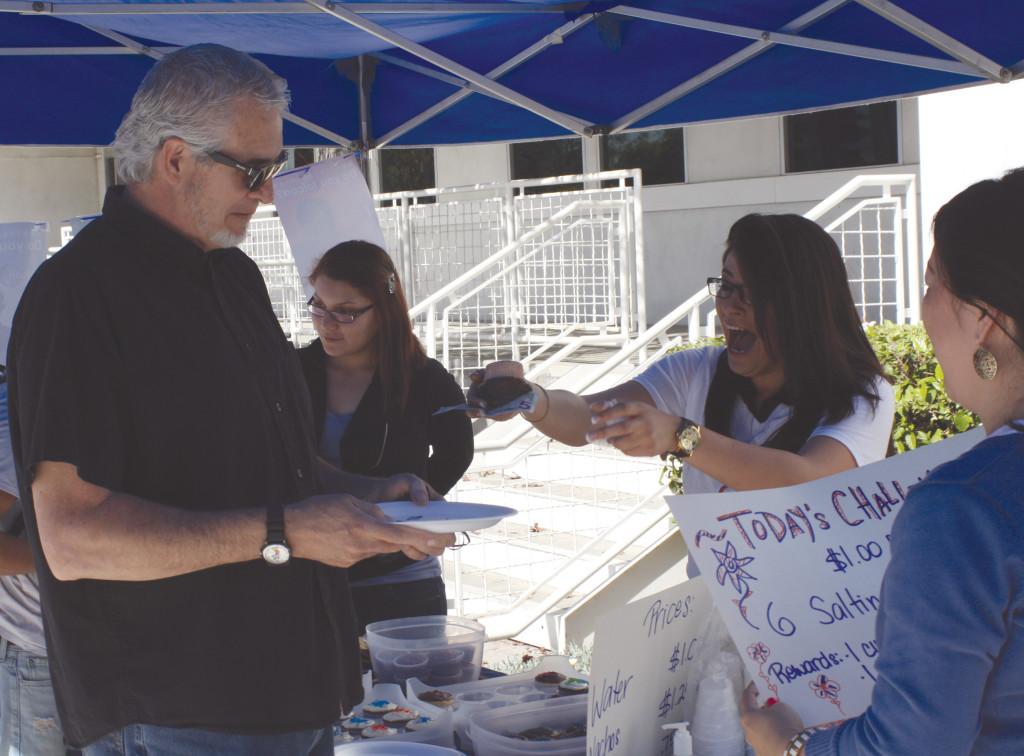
{"type": "Point", "coordinates": [796, 575]}
{"type": "Point", "coordinates": [644, 672]}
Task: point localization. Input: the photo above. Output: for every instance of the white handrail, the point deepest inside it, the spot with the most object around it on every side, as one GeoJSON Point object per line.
{"type": "Point", "coordinates": [578, 178]}
{"type": "Point", "coordinates": [447, 290]}
{"type": "Point", "coordinates": [857, 183]}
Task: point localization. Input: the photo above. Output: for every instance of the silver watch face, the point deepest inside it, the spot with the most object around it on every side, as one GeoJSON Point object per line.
{"type": "Point", "coordinates": [688, 439]}
{"type": "Point", "coordinates": [276, 553]}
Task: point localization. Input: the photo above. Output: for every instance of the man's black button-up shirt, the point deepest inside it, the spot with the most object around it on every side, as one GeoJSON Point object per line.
{"type": "Point", "coordinates": [159, 370]}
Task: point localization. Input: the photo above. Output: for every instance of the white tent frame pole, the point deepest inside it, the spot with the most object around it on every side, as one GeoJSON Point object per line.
{"type": "Point", "coordinates": [937, 38]}
{"type": "Point", "coordinates": [808, 43]}
{"type": "Point", "coordinates": [488, 86]}
{"type": "Point", "coordinates": [48, 51]}
{"type": "Point", "coordinates": [394, 60]}
{"type": "Point", "coordinates": [721, 68]}
{"type": "Point", "coordinates": [158, 53]}
{"type": "Point", "coordinates": [158, 8]}
{"type": "Point", "coordinates": [554, 38]}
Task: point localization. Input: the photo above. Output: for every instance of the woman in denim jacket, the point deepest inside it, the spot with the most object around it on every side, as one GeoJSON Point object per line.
{"type": "Point", "coordinates": [951, 624]}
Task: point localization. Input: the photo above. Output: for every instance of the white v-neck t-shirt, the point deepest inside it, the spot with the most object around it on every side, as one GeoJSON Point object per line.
{"type": "Point", "coordinates": [679, 384]}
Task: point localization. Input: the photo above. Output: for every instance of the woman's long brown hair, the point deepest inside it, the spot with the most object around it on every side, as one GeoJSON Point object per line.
{"type": "Point", "coordinates": [370, 269]}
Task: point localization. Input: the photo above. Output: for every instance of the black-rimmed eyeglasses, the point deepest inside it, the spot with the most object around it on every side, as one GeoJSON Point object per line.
{"type": "Point", "coordinates": [256, 174]}
{"type": "Point", "coordinates": [338, 316]}
{"type": "Point", "coordinates": [719, 288]}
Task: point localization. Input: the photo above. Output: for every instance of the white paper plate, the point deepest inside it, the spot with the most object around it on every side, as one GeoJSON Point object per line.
{"type": "Point", "coordinates": [445, 516]}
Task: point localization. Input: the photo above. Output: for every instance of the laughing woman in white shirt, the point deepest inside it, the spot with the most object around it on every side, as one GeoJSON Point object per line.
{"type": "Point", "coordinates": [795, 394]}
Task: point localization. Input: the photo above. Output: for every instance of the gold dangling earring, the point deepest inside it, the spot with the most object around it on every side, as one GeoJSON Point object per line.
{"type": "Point", "coordinates": [985, 364]}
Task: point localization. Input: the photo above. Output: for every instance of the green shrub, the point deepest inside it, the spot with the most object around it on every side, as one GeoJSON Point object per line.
{"type": "Point", "coordinates": [924, 412]}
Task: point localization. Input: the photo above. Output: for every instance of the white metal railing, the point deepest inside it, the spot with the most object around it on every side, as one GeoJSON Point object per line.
{"type": "Point", "coordinates": [557, 284]}
{"type": "Point", "coordinates": [878, 237]}
{"type": "Point", "coordinates": [512, 575]}
{"type": "Point", "coordinates": [592, 274]}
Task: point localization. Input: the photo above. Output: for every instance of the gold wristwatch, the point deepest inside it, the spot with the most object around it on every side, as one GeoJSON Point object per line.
{"type": "Point", "coordinates": [687, 439]}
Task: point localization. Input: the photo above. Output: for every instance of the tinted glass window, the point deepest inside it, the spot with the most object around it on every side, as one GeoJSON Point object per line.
{"type": "Point", "coordinates": [659, 154]}
{"type": "Point", "coordinates": [406, 170]}
{"type": "Point", "coordinates": [844, 138]}
{"type": "Point", "coordinates": [551, 157]}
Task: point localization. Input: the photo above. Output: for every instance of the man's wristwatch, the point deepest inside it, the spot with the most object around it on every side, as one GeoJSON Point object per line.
{"type": "Point", "coordinates": [276, 551]}
{"type": "Point", "coordinates": [687, 439]}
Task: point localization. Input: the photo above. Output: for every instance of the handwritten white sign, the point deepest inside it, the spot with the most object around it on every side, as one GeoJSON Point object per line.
{"type": "Point", "coordinates": [22, 249]}
{"type": "Point", "coordinates": [643, 673]}
{"type": "Point", "coordinates": [796, 574]}
{"type": "Point", "coordinates": [324, 204]}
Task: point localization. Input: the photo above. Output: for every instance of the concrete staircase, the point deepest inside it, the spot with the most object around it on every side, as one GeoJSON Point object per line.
{"type": "Point", "coordinates": [584, 514]}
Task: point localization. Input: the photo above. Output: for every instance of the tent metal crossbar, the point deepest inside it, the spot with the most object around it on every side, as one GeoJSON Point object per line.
{"type": "Point", "coordinates": [936, 38]}
{"type": "Point", "coordinates": [121, 9]}
{"type": "Point", "coordinates": [554, 38]}
{"type": "Point", "coordinates": [155, 53]}
{"type": "Point", "coordinates": [394, 60]}
{"type": "Point", "coordinates": [810, 43]}
{"type": "Point", "coordinates": [723, 67]}
{"type": "Point", "coordinates": [966, 61]}
{"type": "Point", "coordinates": [487, 86]}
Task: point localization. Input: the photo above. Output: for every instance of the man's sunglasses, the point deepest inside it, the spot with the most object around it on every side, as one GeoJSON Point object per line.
{"type": "Point", "coordinates": [255, 175]}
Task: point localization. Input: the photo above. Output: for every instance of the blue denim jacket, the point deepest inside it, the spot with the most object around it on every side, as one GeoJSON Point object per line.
{"type": "Point", "coordinates": [951, 623]}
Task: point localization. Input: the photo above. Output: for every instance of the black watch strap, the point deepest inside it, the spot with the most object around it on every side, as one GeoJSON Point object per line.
{"type": "Point", "coordinates": [275, 523]}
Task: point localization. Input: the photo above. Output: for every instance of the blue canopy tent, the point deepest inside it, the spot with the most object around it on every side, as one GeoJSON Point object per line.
{"type": "Point", "coordinates": [408, 73]}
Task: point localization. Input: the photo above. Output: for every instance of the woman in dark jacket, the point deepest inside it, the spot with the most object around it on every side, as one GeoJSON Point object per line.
{"type": "Point", "coordinates": [376, 391]}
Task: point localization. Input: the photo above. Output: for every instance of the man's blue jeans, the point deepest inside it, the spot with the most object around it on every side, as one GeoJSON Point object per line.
{"type": "Point", "coordinates": [150, 740]}
{"type": "Point", "coordinates": [28, 713]}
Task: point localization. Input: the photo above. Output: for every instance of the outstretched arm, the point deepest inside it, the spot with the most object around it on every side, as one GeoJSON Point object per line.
{"type": "Point", "coordinates": [88, 531]}
{"type": "Point", "coordinates": [640, 430]}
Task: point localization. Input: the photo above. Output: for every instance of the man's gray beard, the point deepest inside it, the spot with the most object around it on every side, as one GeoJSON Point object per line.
{"type": "Point", "coordinates": [221, 238]}
{"type": "Point", "coordinates": [225, 238]}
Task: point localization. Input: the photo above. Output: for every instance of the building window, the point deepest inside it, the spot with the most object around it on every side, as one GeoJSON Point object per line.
{"type": "Point", "coordinates": [845, 138]}
{"type": "Point", "coordinates": [551, 157]}
{"type": "Point", "coordinates": [303, 156]}
{"type": "Point", "coordinates": [659, 154]}
{"type": "Point", "coordinates": [406, 170]}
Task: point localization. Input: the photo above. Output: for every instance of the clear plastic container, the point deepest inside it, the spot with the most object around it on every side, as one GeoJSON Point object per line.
{"type": "Point", "coordinates": [494, 693]}
{"type": "Point", "coordinates": [438, 650]}
{"type": "Point", "coordinates": [493, 730]}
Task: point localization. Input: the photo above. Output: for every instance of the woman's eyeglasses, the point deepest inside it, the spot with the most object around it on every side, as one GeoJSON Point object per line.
{"type": "Point", "coordinates": [338, 316]}
{"type": "Point", "coordinates": [255, 175]}
{"type": "Point", "coordinates": [719, 288]}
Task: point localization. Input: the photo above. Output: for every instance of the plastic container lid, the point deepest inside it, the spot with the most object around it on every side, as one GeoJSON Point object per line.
{"type": "Point", "coordinates": [490, 728]}
{"type": "Point", "coordinates": [394, 748]}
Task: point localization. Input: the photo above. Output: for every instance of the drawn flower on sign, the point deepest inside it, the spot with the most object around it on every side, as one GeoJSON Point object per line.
{"type": "Point", "coordinates": [731, 566]}
{"type": "Point", "coordinates": [825, 688]}
{"type": "Point", "coordinates": [759, 652]}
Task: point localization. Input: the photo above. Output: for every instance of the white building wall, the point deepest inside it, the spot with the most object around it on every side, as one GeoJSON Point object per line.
{"type": "Point", "coordinates": [471, 164]}
{"type": "Point", "coordinates": [50, 184]}
{"type": "Point", "coordinates": [733, 150]}
{"type": "Point", "coordinates": [967, 135]}
{"type": "Point", "coordinates": [732, 168]}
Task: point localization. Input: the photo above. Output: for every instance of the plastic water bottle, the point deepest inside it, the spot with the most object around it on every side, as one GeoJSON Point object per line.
{"type": "Point", "coordinates": [716, 720]}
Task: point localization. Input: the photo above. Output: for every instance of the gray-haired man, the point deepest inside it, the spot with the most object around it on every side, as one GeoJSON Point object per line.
{"type": "Point", "coordinates": [187, 557]}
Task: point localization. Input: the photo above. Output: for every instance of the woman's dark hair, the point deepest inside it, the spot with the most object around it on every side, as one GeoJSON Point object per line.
{"type": "Point", "coordinates": [978, 245]}
{"type": "Point", "coordinates": [797, 281]}
{"type": "Point", "coordinates": [368, 268]}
